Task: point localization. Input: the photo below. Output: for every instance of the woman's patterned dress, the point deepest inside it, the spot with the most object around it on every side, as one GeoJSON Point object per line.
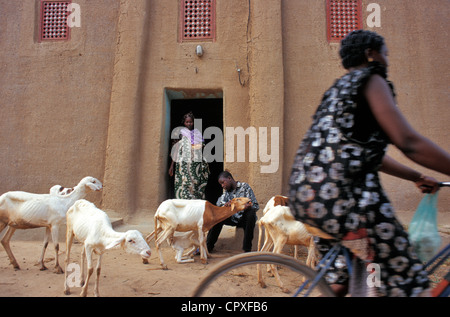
{"type": "Point", "coordinates": [192, 170]}
{"type": "Point", "coordinates": [334, 186]}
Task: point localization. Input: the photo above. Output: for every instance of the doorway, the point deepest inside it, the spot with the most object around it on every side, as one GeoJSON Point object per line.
{"type": "Point", "coordinates": [210, 111]}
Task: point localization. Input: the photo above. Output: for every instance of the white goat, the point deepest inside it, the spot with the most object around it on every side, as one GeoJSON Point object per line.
{"type": "Point", "coordinates": [187, 215]}
{"type": "Point", "coordinates": [22, 210]}
{"type": "Point", "coordinates": [281, 229]}
{"type": "Point", "coordinates": [181, 241]}
{"type": "Point", "coordinates": [91, 226]}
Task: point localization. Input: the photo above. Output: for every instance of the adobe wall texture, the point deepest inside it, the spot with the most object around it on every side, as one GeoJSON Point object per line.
{"type": "Point", "coordinates": [416, 35]}
{"type": "Point", "coordinates": [55, 97]}
{"type": "Point", "coordinates": [96, 105]}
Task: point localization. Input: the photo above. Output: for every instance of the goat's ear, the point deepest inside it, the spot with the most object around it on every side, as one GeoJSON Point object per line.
{"type": "Point", "coordinates": [115, 243]}
{"type": "Point", "coordinates": [233, 205]}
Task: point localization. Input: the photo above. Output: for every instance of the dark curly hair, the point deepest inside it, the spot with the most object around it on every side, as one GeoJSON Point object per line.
{"type": "Point", "coordinates": [354, 46]}
{"type": "Point", "coordinates": [224, 174]}
{"type": "Point", "coordinates": [187, 115]}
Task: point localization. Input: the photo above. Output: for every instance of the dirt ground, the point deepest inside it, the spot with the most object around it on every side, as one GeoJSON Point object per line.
{"type": "Point", "coordinates": [122, 274]}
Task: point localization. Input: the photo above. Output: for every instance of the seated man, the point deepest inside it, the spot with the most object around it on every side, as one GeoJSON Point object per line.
{"type": "Point", "coordinates": [245, 219]}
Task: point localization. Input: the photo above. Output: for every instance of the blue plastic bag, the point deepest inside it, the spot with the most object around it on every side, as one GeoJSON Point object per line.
{"type": "Point", "coordinates": [423, 230]}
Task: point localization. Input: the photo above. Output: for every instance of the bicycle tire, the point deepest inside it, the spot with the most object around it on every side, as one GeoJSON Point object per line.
{"type": "Point", "coordinates": [261, 258]}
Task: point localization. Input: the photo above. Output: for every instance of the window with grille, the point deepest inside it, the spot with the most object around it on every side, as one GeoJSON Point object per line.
{"type": "Point", "coordinates": [197, 20]}
{"type": "Point", "coordinates": [53, 23]}
{"type": "Point", "coordinates": [343, 16]}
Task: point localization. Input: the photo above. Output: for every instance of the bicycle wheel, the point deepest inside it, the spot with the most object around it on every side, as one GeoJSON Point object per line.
{"type": "Point", "coordinates": [237, 277]}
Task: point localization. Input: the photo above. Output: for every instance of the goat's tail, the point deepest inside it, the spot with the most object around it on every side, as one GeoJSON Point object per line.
{"type": "Point", "coordinates": [155, 234]}
{"type": "Point", "coordinates": [156, 231]}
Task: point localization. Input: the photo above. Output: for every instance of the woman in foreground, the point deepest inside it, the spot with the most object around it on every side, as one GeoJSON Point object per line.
{"type": "Point", "coordinates": [334, 183]}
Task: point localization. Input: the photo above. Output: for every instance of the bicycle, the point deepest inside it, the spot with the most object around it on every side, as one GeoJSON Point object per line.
{"type": "Point", "coordinates": [312, 281]}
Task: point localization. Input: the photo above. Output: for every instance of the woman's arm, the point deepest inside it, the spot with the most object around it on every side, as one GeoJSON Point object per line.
{"type": "Point", "coordinates": [171, 168]}
{"type": "Point", "coordinates": [415, 146]}
{"type": "Point", "coordinates": [426, 184]}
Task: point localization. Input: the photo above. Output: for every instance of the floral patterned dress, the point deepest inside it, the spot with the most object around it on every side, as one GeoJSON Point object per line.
{"type": "Point", "coordinates": [335, 186]}
{"type": "Point", "coordinates": [192, 170]}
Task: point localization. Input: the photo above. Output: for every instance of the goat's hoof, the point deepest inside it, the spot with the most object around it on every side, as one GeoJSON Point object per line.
{"type": "Point", "coordinates": [42, 267]}
{"type": "Point", "coordinates": [58, 270]}
{"type": "Point", "coordinates": [164, 267]}
{"type": "Point", "coordinates": [262, 284]}
{"type": "Point", "coordinates": [285, 290]}
{"type": "Point", "coordinates": [204, 261]}
{"type": "Point", "coordinates": [145, 261]}
{"type": "Point", "coordinates": [66, 292]}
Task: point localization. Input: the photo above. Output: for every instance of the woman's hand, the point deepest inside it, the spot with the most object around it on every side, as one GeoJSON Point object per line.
{"type": "Point", "coordinates": [171, 169]}
{"type": "Point", "coordinates": [427, 184]}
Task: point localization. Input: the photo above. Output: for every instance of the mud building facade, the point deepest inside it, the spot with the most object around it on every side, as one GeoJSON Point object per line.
{"type": "Point", "coordinates": [103, 101]}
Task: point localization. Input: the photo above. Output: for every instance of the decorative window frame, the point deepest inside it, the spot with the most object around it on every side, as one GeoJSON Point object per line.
{"type": "Point", "coordinates": [53, 21]}
{"type": "Point", "coordinates": [343, 16]}
{"type": "Point", "coordinates": [197, 20]}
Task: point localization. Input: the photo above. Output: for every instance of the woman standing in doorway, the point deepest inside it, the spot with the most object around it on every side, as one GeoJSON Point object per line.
{"type": "Point", "coordinates": [335, 185]}
{"type": "Point", "coordinates": [188, 165]}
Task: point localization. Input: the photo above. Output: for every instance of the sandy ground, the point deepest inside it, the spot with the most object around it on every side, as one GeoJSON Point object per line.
{"type": "Point", "coordinates": [124, 275]}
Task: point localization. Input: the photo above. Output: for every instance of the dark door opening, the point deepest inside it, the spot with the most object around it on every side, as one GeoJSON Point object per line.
{"type": "Point", "coordinates": [210, 111]}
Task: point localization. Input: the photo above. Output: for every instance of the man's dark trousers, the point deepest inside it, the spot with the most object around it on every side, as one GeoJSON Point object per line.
{"type": "Point", "coordinates": [247, 222]}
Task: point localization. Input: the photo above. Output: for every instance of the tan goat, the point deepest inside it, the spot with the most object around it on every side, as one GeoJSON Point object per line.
{"type": "Point", "coordinates": [282, 229]}
{"type": "Point", "coordinates": [277, 200]}
{"type": "Point", "coordinates": [187, 215]}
